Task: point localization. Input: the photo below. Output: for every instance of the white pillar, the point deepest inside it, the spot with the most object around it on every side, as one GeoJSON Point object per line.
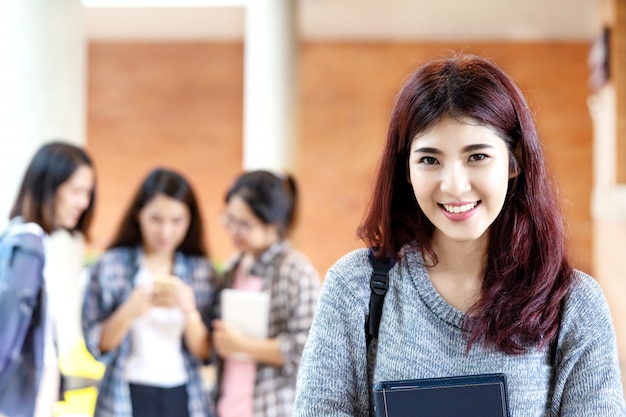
{"type": "Point", "coordinates": [270, 112]}
{"type": "Point", "coordinates": [42, 83]}
{"type": "Point", "coordinates": [43, 98]}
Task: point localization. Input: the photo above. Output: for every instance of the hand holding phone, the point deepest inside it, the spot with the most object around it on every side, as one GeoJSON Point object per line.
{"type": "Point", "coordinates": [164, 291]}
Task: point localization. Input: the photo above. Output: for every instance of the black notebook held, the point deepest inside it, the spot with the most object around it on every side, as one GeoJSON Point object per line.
{"type": "Point", "coordinates": [459, 396]}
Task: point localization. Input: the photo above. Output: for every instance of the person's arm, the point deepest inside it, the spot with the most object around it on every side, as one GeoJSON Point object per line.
{"type": "Point", "coordinates": [196, 334]}
{"type": "Point", "coordinates": [106, 316]}
{"type": "Point", "coordinates": [587, 373]}
{"type": "Point", "coordinates": [332, 378]}
{"type": "Point", "coordinates": [115, 328]}
{"type": "Point", "coordinates": [229, 340]}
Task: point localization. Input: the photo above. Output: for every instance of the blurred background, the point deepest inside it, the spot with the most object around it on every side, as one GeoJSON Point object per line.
{"type": "Point", "coordinates": [306, 86]}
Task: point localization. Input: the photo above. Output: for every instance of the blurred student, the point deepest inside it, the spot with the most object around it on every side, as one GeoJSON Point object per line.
{"type": "Point", "coordinates": [260, 212]}
{"type": "Point", "coordinates": [57, 192]}
{"type": "Point", "coordinates": [141, 312]}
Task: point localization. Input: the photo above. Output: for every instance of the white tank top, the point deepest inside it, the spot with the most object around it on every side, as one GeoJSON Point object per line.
{"type": "Point", "coordinates": [156, 354]}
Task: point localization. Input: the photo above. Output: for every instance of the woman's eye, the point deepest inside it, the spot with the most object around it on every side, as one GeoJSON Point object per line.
{"type": "Point", "coordinates": [478, 157]}
{"type": "Point", "coordinates": [428, 160]}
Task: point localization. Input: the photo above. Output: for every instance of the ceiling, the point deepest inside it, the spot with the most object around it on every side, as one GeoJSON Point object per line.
{"type": "Point", "coordinates": [365, 20]}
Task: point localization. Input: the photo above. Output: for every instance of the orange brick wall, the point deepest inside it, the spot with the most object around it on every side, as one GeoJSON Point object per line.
{"type": "Point", "coordinates": [180, 104]}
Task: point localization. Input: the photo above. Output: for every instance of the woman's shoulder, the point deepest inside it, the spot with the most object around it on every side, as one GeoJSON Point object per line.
{"type": "Point", "coordinates": [199, 265]}
{"type": "Point", "coordinates": [195, 258]}
{"type": "Point", "coordinates": [586, 306]}
{"type": "Point", "coordinates": [27, 235]}
{"type": "Point", "coordinates": [357, 259]}
{"type": "Point", "coordinates": [229, 264]}
{"type": "Point", "coordinates": [585, 290]}
{"type": "Point", "coordinates": [351, 272]}
{"type": "Point", "coordinates": [119, 254]}
{"type": "Point", "coordinates": [293, 256]}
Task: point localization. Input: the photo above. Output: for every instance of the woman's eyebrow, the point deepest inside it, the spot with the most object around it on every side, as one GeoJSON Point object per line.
{"type": "Point", "coordinates": [427, 150]}
{"type": "Point", "coordinates": [477, 147]}
{"type": "Point", "coordinates": [468, 148]}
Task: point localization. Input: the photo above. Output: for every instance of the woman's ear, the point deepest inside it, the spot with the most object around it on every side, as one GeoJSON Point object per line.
{"type": "Point", "coordinates": [515, 162]}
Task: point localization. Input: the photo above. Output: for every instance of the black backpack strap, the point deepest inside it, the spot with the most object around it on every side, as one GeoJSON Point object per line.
{"type": "Point", "coordinates": [554, 345]}
{"type": "Point", "coordinates": [379, 283]}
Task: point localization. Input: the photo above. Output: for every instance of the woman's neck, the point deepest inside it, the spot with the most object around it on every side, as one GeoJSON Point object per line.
{"type": "Point", "coordinates": [463, 257]}
{"type": "Point", "coordinates": [247, 260]}
{"type": "Point", "coordinates": [158, 263]}
{"type": "Point", "coordinates": [257, 252]}
{"type": "Point", "coordinates": [459, 272]}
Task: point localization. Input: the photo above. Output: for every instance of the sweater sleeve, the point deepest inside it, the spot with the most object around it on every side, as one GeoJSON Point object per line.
{"type": "Point", "coordinates": [587, 375]}
{"type": "Point", "coordinates": [333, 374]}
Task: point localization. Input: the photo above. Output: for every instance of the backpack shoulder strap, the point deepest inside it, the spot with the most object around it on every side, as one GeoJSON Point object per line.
{"type": "Point", "coordinates": [379, 283]}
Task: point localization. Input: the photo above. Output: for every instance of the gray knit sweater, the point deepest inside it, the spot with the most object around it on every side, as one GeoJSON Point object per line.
{"type": "Point", "coordinates": [420, 337]}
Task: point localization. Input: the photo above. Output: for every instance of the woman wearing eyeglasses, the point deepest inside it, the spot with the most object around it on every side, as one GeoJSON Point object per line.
{"type": "Point", "coordinates": [257, 376]}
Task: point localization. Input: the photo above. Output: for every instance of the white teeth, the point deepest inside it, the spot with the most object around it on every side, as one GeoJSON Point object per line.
{"type": "Point", "coordinates": [460, 209]}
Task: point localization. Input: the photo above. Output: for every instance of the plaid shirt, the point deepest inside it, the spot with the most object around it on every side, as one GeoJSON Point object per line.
{"type": "Point", "coordinates": [111, 281]}
{"type": "Point", "coordinates": [293, 285]}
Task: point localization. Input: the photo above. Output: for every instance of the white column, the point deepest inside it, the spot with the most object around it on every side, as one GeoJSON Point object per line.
{"type": "Point", "coordinates": [270, 112]}
{"type": "Point", "coordinates": [43, 98]}
{"type": "Point", "coordinates": [42, 83]}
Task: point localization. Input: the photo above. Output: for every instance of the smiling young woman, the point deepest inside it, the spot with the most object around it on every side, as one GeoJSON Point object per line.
{"type": "Point", "coordinates": [464, 204]}
{"type": "Point", "coordinates": [57, 192]}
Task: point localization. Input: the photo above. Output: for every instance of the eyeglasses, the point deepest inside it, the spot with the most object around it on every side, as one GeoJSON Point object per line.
{"type": "Point", "coordinates": [234, 225]}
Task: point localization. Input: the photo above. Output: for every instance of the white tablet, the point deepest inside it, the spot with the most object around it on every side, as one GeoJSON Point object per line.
{"type": "Point", "coordinates": [247, 310]}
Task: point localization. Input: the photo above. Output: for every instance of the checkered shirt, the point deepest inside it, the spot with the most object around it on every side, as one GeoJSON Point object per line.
{"type": "Point", "coordinates": [110, 284]}
{"type": "Point", "coordinates": [293, 285]}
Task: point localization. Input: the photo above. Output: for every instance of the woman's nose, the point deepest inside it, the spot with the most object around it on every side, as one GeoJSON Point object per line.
{"type": "Point", "coordinates": [455, 180]}
{"type": "Point", "coordinates": [84, 200]}
{"type": "Point", "coordinates": [167, 229]}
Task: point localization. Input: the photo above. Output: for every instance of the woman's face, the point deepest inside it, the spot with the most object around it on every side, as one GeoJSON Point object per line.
{"type": "Point", "coordinates": [73, 197]}
{"type": "Point", "coordinates": [163, 222]}
{"type": "Point", "coordinates": [248, 233]}
{"type": "Point", "coordinates": [460, 175]}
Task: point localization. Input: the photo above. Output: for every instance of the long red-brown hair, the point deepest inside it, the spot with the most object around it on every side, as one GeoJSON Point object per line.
{"type": "Point", "coordinates": [527, 272]}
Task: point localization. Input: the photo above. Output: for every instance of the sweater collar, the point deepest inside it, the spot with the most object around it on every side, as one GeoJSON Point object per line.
{"type": "Point", "coordinates": [427, 292]}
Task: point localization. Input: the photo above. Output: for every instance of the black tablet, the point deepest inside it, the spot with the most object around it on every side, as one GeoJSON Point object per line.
{"type": "Point", "coordinates": [483, 395]}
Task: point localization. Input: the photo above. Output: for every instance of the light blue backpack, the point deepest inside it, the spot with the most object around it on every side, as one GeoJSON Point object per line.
{"type": "Point", "coordinates": [21, 321]}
